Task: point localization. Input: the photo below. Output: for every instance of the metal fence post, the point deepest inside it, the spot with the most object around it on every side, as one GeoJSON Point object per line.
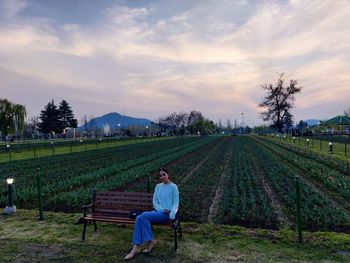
{"type": "Point", "coordinates": [345, 150]}
{"type": "Point", "coordinates": [40, 200]}
{"type": "Point", "coordinates": [297, 188]}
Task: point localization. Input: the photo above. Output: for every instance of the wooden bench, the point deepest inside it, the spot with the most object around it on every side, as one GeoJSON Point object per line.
{"type": "Point", "coordinates": [115, 207]}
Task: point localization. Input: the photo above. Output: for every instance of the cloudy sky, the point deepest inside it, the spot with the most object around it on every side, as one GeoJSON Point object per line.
{"type": "Point", "coordinates": [149, 58]}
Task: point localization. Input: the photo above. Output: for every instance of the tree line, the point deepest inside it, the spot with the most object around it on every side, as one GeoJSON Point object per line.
{"type": "Point", "coordinates": [53, 119]}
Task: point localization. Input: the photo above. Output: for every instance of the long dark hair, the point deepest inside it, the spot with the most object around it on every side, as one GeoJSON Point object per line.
{"type": "Point", "coordinates": [164, 170]}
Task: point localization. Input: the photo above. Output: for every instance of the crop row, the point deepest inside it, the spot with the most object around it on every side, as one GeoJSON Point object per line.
{"type": "Point", "coordinates": [243, 200]}
{"type": "Point", "coordinates": [64, 167]}
{"type": "Point", "coordinates": [69, 165]}
{"type": "Point", "coordinates": [198, 191]}
{"type": "Point", "coordinates": [340, 165]}
{"type": "Point", "coordinates": [317, 212]}
{"type": "Point", "coordinates": [334, 178]}
{"type": "Point", "coordinates": [28, 192]}
{"type": "Point", "coordinates": [66, 192]}
{"type": "Point", "coordinates": [116, 179]}
{"type": "Point", "coordinates": [179, 168]}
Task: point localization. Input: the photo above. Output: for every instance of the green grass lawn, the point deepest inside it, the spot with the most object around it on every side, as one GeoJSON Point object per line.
{"type": "Point", "coordinates": [320, 146]}
{"type": "Point", "coordinates": [57, 239]}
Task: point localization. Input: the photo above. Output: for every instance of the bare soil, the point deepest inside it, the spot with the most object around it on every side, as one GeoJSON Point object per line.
{"type": "Point", "coordinates": [213, 210]}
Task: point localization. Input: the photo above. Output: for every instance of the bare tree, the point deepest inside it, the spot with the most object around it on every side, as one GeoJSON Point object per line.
{"type": "Point", "coordinates": [278, 102]}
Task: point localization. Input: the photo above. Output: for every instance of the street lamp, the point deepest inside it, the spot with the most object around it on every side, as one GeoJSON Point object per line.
{"type": "Point", "coordinates": [118, 129]}
{"type": "Point", "coordinates": [330, 147]}
{"type": "Point", "coordinates": [10, 208]}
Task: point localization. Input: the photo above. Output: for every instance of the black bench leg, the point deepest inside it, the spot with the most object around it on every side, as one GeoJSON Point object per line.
{"type": "Point", "coordinates": [84, 230]}
{"type": "Point", "coordinates": [95, 225]}
{"type": "Point", "coordinates": [175, 238]}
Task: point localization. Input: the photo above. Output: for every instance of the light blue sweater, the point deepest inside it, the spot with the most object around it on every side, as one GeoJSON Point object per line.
{"type": "Point", "coordinates": [166, 196]}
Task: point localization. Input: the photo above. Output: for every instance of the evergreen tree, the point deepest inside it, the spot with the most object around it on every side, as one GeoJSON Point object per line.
{"type": "Point", "coordinates": [49, 117]}
{"type": "Point", "coordinates": [66, 116]}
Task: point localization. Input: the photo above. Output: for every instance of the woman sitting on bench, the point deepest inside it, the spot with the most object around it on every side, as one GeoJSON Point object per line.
{"type": "Point", "coordinates": [165, 203]}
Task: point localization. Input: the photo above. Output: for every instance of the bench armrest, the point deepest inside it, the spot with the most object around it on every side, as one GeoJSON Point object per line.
{"type": "Point", "coordinates": [85, 208]}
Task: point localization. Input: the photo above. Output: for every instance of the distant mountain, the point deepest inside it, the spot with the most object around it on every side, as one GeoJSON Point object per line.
{"type": "Point", "coordinates": [312, 122]}
{"type": "Point", "coordinates": [112, 119]}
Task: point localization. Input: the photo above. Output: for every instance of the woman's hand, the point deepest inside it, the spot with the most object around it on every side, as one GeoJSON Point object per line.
{"type": "Point", "coordinates": [166, 211]}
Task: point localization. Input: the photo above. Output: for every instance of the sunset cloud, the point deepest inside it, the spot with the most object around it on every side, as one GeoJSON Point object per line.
{"type": "Point", "coordinates": [173, 57]}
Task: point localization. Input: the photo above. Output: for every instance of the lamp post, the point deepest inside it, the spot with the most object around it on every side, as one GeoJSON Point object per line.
{"type": "Point", "coordinates": [330, 147]}
{"type": "Point", "coordinates": [10, 208]}
{"type": "Point", "coordinates": [118, 130]}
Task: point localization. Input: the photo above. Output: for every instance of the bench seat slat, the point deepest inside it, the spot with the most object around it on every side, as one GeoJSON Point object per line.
{"type": "Point", "coordinates": [111, 219]}
{"type": "Point", "coordinates": [105, 193]}
{"type": "Point", "coordinates": [119, 220]}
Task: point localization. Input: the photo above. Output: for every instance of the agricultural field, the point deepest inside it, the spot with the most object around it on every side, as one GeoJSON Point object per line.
{"type": "Point", "coordinates": [231, 180]}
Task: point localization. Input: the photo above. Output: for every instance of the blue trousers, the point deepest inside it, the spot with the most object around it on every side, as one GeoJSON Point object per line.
{"type": "Point", "coordinates": [142, 228]}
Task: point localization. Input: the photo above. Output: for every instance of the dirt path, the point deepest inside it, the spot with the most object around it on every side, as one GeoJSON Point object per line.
{"type": "Point", "coordinates": [194, 169]}
{"type": "Point", "coordinates": [213, 210]}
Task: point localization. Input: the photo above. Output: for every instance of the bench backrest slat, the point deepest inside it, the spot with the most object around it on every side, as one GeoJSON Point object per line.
{"type": "Point", "coordinates": [123, 207]}
{"type": "Point", "coordinates": [143, 199]}
{"type": "Point", "coordinates": [121, 203]}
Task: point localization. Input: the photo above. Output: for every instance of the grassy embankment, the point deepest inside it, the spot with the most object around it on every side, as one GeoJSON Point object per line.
{"type": "Point", "coordinates": [57, 239]}
{"type": "Point", "coordinates": [76, 146]}
{"type": "Point", "coordinates": [340, 150]}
